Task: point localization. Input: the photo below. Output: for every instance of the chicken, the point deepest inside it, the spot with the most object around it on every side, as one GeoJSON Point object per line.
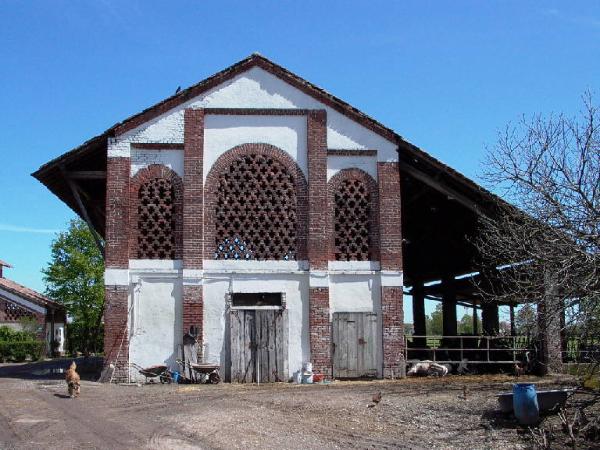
{"type": "Point", "coordinates": [73, 380]}
{"type": "Point", "coordinates": [377, 397]}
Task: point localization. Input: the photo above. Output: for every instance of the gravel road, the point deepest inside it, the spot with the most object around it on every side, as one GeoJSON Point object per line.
{"type": "Point", "coordinates": [452, 412]}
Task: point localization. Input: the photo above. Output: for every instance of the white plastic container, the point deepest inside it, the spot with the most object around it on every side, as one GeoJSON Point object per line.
{"type": "Point", "coordinates": [307, 367]}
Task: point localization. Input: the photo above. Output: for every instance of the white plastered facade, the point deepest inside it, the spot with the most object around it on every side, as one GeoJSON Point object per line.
{"type": "Point", "coordinates": [353, 287]}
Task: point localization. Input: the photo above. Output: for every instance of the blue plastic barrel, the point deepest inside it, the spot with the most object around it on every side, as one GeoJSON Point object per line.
{"type": "Point", "coordinates": [175, 377]}
{"type": "Point", "coordinates": [525, 403]}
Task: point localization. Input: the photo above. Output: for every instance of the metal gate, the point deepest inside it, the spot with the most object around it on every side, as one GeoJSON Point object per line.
{"type": "Point", "coordinates": [258, 345]}
{"type": "Point", "coordinates": [356, 345]}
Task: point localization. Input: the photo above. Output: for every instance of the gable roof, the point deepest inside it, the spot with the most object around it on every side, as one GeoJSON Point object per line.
{"type": "Point", "coordinates": [28, 294]}
{"type": "Point", "coordinates": [93, 151]}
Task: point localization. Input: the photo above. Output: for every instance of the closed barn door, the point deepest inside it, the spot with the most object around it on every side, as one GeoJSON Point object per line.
{"type": "Point", "coordinates": [258, 345]}
{"type": "Point", "coordinates": [355, 345]}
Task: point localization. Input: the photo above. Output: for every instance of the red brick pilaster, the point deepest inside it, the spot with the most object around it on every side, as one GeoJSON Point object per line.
{"type": "Point", "coordinates": [317, 190]}
{"type": "Point", "coordinates": [393, 331]}
{"type": "Point", "coordinates": [117, 213]}
{"type": "Point", "coordinates": [390, 232]}
{"type": "Point", "coordinates": [116, 343]}
{"type": "Point", "coordinates": [319, 324]}
{"type": "Point", "coordinates": [391, 266]}
{"type": "Point", "coordinates": [116, 334]}
{"type": "Point", "coordinates": [320, 330]}
{"type": "Point", "coordinates": [193, 239]}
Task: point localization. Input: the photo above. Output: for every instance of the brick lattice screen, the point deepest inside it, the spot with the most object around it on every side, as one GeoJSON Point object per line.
{"type": "Point", "coordinates": [352, 213]}
{"type": "Point", "coordinates": [156, 221]}
{"type": "Point", "coordinates": [255, 211]}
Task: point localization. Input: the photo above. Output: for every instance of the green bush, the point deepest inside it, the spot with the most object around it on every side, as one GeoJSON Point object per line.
{"type": "Point", "coordinates": [19, 351]}
{"type": "Point", "coordinates": [18, 345]}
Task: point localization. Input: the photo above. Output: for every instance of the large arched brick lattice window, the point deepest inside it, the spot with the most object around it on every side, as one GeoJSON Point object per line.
{"type": "Point", "coordinates": [354, 224]}
{"type": "Point", "coordinates": [156, 214]}
{"type": "Point", "coordinates": [256, 206]}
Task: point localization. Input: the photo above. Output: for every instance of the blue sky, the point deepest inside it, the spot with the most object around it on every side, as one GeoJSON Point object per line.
{"type": "Point", "coordinates": [445, 75]}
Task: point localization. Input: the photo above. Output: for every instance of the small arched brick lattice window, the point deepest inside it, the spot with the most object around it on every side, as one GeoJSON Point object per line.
{"type": "Point", "coordinates": [156, 220]}
{"type": "Point", "coordinates": [255, 210]}
{"type": "Point", "coordinates": [352, 217]}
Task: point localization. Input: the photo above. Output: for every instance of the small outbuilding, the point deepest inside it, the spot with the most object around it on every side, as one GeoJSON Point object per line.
{"type": "Point", "coordinates": [18, 302]}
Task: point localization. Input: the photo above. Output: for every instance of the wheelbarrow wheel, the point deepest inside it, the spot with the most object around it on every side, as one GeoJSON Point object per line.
{"type": "Point", "coordinates": [166, 378]}
{"type": "Point", "coordinates": [214, 378]}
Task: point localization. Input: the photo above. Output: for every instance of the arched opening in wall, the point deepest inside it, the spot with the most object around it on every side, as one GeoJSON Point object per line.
{"type": "Point", "coordinates": [353, 221]}
{"type": "Point", "coordinates": [156, 220]}
{"type": "Point", "coordinates": [255, 210]}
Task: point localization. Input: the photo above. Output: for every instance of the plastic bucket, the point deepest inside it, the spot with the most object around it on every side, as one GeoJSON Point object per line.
{"type": "Point", "coordinates": [175, 376]}
{"type": "Point", "coordinates": [307, 378]}
{"type": "Point", "coordinates": [525, 403]}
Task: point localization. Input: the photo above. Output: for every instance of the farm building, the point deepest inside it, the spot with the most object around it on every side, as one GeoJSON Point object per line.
{"type": "Point", "coordinates": [18, 302]}
{"type": "Point", "coordinates": [278, 222]}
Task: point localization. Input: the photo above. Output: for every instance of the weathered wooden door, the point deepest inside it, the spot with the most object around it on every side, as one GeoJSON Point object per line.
{"type": "Point", "coordinates": [356, 344]}
{"type": "Point", "coordinates": [258, 345]}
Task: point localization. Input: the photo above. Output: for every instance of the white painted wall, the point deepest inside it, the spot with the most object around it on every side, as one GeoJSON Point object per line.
{"type": "Point", "coordinates": [337, 163]}
{"type": "Point", "coordinates": [155, 323]}
{"type": "Point", "coordinates": [295, 287]}
{"type": "Point", "coordinates": [354, 293]}
{"type": "Point", "coordinates": [222, 133]}
{"type": "Point", "coordinates": [257, 88]}
{"type": "Point", "coordinates": [141, 158]}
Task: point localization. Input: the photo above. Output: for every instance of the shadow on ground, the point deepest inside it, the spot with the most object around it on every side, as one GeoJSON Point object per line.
{"type": "Point", "coordinates": [88, 368]}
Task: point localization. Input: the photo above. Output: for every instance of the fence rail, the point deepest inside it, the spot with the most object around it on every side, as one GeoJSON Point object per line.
{"type": "Point", "coordinates": [475, 349]}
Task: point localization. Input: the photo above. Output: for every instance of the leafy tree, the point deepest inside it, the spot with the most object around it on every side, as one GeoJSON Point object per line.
{"type": "Point", "coordinates": [74, 278]}
{"type": "Point", "coordinates": [434, 321]}
{"type": "Point", "coordinates": [465, 325]}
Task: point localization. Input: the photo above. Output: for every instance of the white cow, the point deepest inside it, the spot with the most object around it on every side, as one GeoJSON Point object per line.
{"type": "Point", "coordinates": [426, 368]}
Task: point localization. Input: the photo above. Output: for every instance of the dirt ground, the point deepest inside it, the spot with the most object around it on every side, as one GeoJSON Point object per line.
{"type": "Point", "coordinates": [413, 414]}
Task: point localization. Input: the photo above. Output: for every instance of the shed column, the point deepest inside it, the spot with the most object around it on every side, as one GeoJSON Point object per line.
{"type": "Point", "coordinates": [116, 278]}
{"type": "Point", "coordinates": [419, 319]}
{"type": "Point", "coordinates": [490, 319]}
{"type": "Point", "coordinates": [319, 322]}
{"type": "Point", "coordinates": [193, 215]}
{"type": "Point", "coordinates": [390, 232]}
{"type": "Point", "coordinates": [449, 307]}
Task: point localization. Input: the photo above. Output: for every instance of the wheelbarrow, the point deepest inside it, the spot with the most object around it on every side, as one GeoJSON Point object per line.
{"type": "Point", "coordinates": [152, 372]}
{"type": "Point", "coordinates": [203, 373]}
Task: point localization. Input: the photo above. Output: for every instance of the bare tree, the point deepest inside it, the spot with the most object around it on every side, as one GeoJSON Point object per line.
{"type": "Point", "coordinates": [546, 240]}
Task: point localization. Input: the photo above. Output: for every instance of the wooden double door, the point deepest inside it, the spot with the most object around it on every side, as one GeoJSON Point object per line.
{"type": "Point", "coordinates": [258, 341]}
{"type": "Point", "coordinates": [357, 344]}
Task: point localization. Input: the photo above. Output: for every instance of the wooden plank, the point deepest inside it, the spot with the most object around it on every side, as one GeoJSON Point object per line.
{"type": "Point", "coordinates": [282, 344]}
{"type": "Point", "coordinates": [362, 343]}
{"type": "Point", "coordinates": [335, 352]}
{"type": "Point", "coordinates": [352, 339]}
{"type": "Point", "coordinates": [86, 174]}
{"type": "Point", "coordinates": [234, 349]}
{"type": "Point", "coordinates": [272, 351]}
{"type": "Point", "coordinates": [372, 321]}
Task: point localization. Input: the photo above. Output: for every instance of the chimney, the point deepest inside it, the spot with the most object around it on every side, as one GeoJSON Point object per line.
{"type": "Point", "coordinates": [2, 265]}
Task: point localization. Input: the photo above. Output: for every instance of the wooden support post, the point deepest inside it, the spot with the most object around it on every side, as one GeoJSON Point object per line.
{"type": "Point", "coordinates": [449, 307]}
{"type": "Point", "coordinates": [82, 209]}
{"type": "Point", "coordinates": [419, 319]}
{"type": "Point", "coordinates": [513, 331]}
{"type": "Point", "coordinates": [490, 319]}
{"type": "Point", "coordinates": [475, 321]}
